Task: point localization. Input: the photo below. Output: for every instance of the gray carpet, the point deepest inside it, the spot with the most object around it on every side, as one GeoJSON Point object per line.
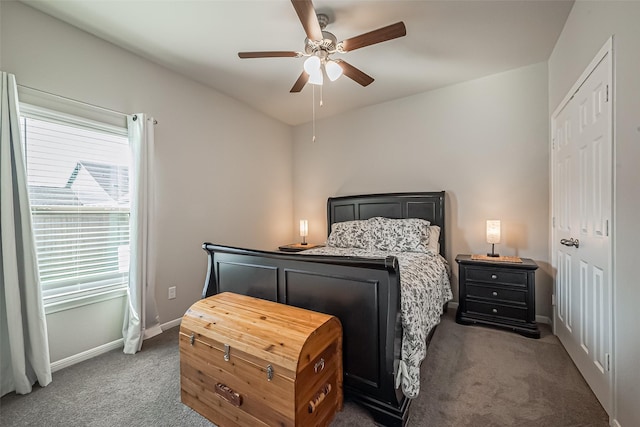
{"type": "Point", "coordinates": [473, 376]}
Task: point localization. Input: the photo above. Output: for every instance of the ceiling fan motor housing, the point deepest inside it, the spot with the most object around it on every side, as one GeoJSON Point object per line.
{"type": "Point", "coordinates": [327, 44]}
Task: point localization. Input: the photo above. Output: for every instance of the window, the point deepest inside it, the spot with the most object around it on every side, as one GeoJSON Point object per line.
{"type": "Point", "coordinates": [78, 180]}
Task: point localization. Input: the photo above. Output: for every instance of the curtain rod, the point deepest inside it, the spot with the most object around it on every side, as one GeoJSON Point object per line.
{"type": "Point", "coordinates": [155, 122]}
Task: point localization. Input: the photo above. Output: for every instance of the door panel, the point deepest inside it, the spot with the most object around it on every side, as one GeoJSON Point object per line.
{"type": "Point", "coordinates": [581, 196]}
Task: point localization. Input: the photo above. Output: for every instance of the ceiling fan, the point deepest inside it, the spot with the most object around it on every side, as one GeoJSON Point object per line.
{"type": "Point", "coordinates": [320, 45]}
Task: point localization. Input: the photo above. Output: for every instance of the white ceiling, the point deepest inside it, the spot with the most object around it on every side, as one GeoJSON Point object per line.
{"type": "Point", "coordinates": [447, 42]}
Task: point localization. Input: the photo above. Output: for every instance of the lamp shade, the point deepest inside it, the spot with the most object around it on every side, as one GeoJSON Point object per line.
{"type": "Point", "coordinates": [333, 69]}
{"type": "Point", "coordinates": [316, 78]}
{"type": "Point", "coordinates": [493, 231]}
{"type": "Point", "coordinates": [312, 64]}
{"type": "Point", "coordinates": [304, 228]}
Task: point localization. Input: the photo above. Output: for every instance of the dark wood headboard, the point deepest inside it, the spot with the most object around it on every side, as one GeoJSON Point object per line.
{"type": "Point", "coordinates": [425, 205]}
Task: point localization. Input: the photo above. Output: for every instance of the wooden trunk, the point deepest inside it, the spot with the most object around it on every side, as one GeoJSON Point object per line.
{"type": "Point", "coordinates": [251, 362]}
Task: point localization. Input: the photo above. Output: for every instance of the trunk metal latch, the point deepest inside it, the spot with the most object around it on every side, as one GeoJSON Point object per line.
{"type": "Point", "coordinates": [227, 350]}
{"type": "Point", "coordinates": [269, 372]}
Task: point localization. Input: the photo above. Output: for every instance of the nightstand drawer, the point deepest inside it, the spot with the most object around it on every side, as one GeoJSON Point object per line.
{"type": "Point", "coordinates": [490, 309]}
{"type": "Point", "coordinates": [496, 293]}
{"type": "Point", "coordinates": [494, 275]}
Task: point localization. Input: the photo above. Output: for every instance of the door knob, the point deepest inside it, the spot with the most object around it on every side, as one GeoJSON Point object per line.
{"type": "Point", "coordinates": [570, 242]}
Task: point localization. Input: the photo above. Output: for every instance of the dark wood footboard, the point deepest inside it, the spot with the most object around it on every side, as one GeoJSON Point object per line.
{"type": "Point", "coordinates": [363, 293]}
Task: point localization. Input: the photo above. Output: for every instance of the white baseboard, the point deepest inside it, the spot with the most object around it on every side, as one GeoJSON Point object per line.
{"type": "Point", "coordinates": [452, 305]}
{"type": "Point", "coordinates": [615, 423]}
{"type": "Point", "coordinates": [171, 324]}
{"type": "Point", "coordinates": [97, 351]}
{"type": "Point", "coordinates": [543, 319]}
{"type": "Point", "coordinates": [85, 355]}
{"type": "Point", "coordinates": [152, 332]}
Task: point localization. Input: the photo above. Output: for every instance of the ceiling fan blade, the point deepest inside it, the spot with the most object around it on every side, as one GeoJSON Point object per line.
{"type": "Point", "coordinates": [274, 54]}
{"type": "Point", "coordinates": [355, 74]}
{"type": "Point", "coordinates": [299, 84]}
{"type": "Point", "coordinates": [308, 18]}
{"type": "Point", "coordinates": [383, 34]}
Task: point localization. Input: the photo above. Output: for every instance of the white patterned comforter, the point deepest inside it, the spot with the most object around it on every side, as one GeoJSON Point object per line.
{"type": "Point", "coordinates": [425, 287]}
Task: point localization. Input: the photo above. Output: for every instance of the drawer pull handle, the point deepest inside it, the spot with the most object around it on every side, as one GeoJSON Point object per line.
{"type": "Point", "coordinates": [319, 397]}
{"type": "Point", "coordinates": [227, 351]}
{"type": "Point", "coordinates": [228, 394]}
{"type": "Point", "coordinates": [495, 310]}
{"type": "Point", "coordinates": [494, 276]}
{"type": "Point", "coordinates": [192, 338]}
{"type": "Point", "coordinates": [319, 366]}
{"type": "Point", "coordinates": [494, 293]}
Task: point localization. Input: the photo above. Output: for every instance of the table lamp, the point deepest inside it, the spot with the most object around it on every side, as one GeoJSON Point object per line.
{"type": "Point", "coordinates": [493, 235]}
{"type": "Point", "coordinates": [304, 231]}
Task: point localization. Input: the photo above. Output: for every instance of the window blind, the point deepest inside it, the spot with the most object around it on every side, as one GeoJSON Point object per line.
{"type": "Point", "coordinates": [78, 180]}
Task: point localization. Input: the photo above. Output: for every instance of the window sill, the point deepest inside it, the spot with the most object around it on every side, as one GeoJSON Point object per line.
{"type": "Point", "coordinates": [57, 304]}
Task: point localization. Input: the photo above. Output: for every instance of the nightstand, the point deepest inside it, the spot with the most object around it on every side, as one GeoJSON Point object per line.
{"type": "Point", "coordinates": [297, 247]}
{"type": "Point", "coordinates": [500, 294]}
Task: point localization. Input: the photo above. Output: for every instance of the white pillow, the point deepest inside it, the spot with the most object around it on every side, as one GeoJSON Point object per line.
{"type": "Point", "coordinates": [434, 238]}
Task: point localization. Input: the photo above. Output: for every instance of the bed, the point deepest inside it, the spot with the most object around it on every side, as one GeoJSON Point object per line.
{"type": "Point", "coordinates": [360, 287]}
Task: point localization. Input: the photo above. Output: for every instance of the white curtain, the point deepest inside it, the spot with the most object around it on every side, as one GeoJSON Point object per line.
{"type": "Point", "coordinates": [24, 349]}
{"type": "Point", "coordinates": [141, 316]}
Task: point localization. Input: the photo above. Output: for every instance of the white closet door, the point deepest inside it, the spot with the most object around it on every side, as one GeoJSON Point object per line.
{"type": "Point", "coordinates": [582, 213]}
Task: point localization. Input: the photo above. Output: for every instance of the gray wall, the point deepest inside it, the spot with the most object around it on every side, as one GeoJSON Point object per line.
{"type": "Point", "coordinates": [217, 178]}
{"type": "Point", "coordinates": [485, 142]}
{"type": "Point", "coordinates": [587, 29]}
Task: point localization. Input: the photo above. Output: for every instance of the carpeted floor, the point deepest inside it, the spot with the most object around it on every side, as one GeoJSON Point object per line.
{"type": "Point", "coordinates": [473, 376]}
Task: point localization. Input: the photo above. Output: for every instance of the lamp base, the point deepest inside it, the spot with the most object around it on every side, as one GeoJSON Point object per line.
{"type": "Point", "coordinates": [493, 254]}
{"type": "Point", "coordinates": [304, 243]}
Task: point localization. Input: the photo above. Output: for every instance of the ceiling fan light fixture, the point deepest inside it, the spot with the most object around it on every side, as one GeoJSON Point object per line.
{"type": "Point", "coordinates": [320, 44]}
{"type": "Point", "coordinates": [312, 65]}
{"type": "Point", "coordinates": [333, 69]}
{"type": "Point", "coordinates": [316, 78]}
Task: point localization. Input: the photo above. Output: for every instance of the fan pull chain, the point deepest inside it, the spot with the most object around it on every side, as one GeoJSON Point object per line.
{"type": "Point", "coordinates": [313, 117]}
{"type": "Point", "coordinates": [313, 109]}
